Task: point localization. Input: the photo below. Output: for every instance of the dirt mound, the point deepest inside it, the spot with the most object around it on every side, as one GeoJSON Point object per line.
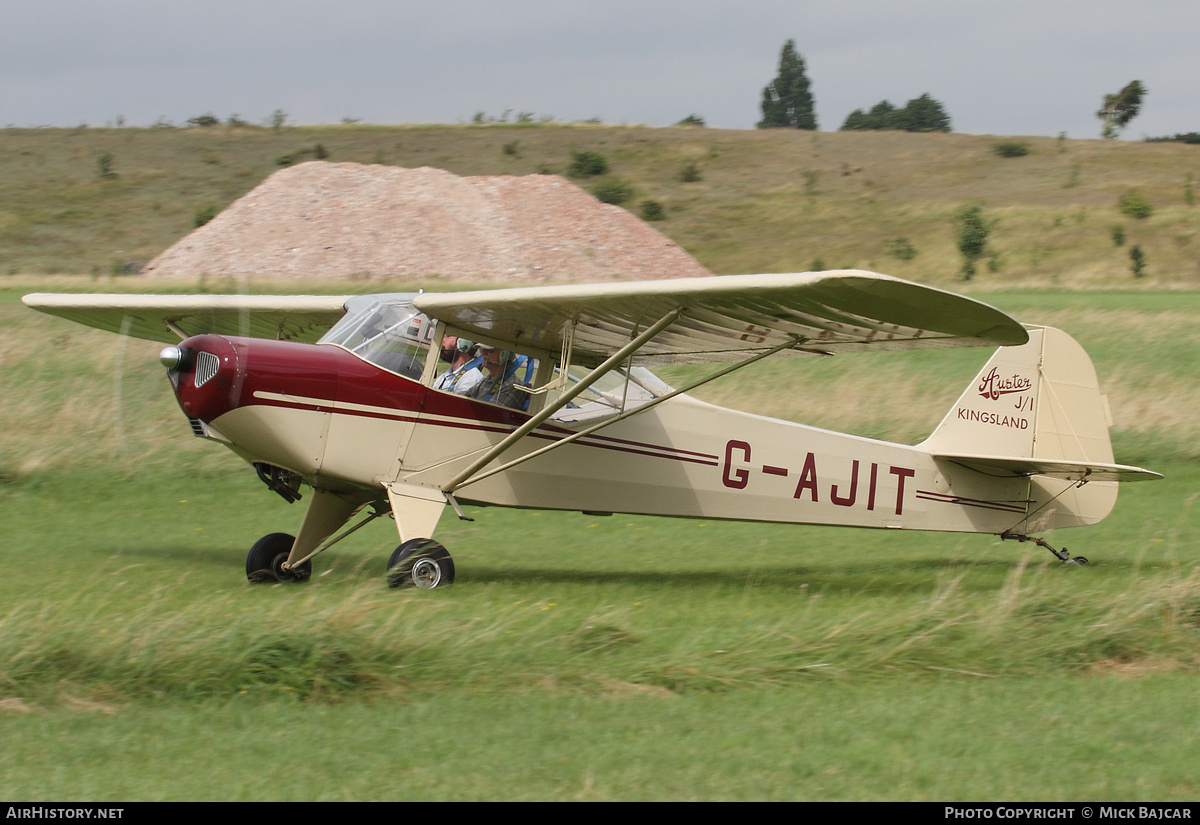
{"type": "Point", "coordinates": [347, 220]}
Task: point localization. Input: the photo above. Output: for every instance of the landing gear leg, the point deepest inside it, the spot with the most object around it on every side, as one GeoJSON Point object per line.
{"type": "Point", "coordinates": [1061, 555]}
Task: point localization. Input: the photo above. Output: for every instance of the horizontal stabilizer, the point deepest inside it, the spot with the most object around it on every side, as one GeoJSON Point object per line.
{"type": "Point", "coordinates": [1054, 468]}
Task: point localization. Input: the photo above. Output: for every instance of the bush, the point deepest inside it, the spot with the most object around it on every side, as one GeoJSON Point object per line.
{"type": "Point", "coordinates": [292, 158]}
{"type": "Point", "coordinates": [972, 238]}
{"type": "Point", "coordinates": [903, 249]}
{"type": "Point", "coordinates": [690, 173]}
{"type": "Point", "coordinates": [104, 165]}
{"type": "Point", "coordinates": [692, 120]}
{"type": "Point", "coordinates": [1118, 235]}
{"type": "Point", "coordinates": [1137, 261]}
{"type": "Point", "coordinates": [1135, 205]}
{"type": "Point", "coordinates": [653, 211]}
{"type": "Point", "coordinates": [1011, 148]}
{"type": "Point", "coordinates": [613, 191]}
{"type": "Point", "coordinates": [206, 214]}
{"type": "Point", "coordinates": [204, 120]}
{"type": "Point", "coordinates": [587, 165]}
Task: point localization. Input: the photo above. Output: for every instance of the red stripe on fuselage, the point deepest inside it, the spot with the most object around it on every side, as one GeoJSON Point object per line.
{"type": "Point", "coordinates": [323, 378]}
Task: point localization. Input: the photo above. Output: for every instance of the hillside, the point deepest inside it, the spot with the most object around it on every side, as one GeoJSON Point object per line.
{"type": "Point", "coordinates": [765, 201]}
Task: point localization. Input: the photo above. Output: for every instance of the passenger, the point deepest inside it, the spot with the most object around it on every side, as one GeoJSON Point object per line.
{"type": "Point", "coordinates": [499, 385]}
{"type": "Point", "coordinates": [464, 374]}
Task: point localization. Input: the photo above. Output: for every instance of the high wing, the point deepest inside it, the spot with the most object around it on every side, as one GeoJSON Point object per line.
{"type": "Point", "coordinates": [725, 317]}
{"type": "Point", "coordinates": [171, 318]}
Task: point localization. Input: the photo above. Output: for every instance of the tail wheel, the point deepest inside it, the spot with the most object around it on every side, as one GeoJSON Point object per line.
{"type": "Point", "coordinates": [421, 563]}
{"type": "Point", "coordinates": [265, 561]}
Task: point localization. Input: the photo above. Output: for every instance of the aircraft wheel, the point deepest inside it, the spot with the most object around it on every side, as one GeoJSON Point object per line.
{"type": "Point", "coordinates": [265, 561]}
{"type": "Point", "coordinates": [421, 563]}
{"type": "Point", "coordinates": [1080, 560]}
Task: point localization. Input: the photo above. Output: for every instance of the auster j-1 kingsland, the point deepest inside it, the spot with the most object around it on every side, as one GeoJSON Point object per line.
{"type": "Point", "coordinates": [337, 393]}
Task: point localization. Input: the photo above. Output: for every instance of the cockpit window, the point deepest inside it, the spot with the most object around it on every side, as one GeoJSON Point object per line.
{"type": "Point", "coordinates": [610, 394]}
{"type": "Point", "coordinates": [385, 330]}
{"type": "Point", "coordinates": [390, 333]}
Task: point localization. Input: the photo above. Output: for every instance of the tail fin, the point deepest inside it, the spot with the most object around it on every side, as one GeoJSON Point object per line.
{"type": "Point", "coordinates": [1039, 400]}
{"type": "Point", "coordinates": [1036, 411]}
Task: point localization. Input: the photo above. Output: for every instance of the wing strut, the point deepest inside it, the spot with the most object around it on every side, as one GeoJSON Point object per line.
{"type": "Point", "coordinates": [606, 422]}
{"type": "Point", "coordinates": [608, 366]}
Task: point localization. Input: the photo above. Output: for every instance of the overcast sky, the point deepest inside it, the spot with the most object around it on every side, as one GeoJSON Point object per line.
{"type": "Point", "coordinates": [1017, 67]}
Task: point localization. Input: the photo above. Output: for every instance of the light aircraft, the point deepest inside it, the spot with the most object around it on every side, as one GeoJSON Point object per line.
{"type": "Point", "coordinates": [337, 394]}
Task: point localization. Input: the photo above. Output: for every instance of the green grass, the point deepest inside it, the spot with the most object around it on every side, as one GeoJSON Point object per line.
{"type": "Point", "coordinates": [580, 657]}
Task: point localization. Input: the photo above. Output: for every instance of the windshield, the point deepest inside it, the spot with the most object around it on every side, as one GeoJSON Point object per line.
{"type": "Point", "coordinates": [385, 330]}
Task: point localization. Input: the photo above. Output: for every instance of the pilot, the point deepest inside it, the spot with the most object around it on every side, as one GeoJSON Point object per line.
{"type": "Point", "coordinates": [464, 374]}
{"type": "Point", "coordinates": [499, 384]}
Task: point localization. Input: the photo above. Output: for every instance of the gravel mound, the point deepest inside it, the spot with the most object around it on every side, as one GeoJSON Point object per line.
{"type": "Point", "coordinates": [322, 220]}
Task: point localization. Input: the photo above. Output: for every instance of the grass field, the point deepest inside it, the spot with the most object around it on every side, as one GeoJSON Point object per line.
{"type": "Point", "coordinates": [592, 658]}
{"type": "Point", "coordinates": [773, 200]}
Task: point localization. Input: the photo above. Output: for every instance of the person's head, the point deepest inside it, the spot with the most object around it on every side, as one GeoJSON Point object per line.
{"type": "Point", "coordinates": [494, 359]}
{"type": "Point", "coordinates": [455, 348]}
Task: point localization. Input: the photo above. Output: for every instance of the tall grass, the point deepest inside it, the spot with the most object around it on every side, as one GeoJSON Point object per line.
{"type": "Point", "coordinates": [98, 643]}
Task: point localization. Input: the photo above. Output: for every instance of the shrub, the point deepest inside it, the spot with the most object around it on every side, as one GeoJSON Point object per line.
{"type": "Point", "coordinates": [1137, 260]}
{"type": "Point", "coordinates": [1135, 205]}
{"type": "Point", "coordinates": [653, 211]}
{"type": "Point", "coordinates": [1011, 148]}
{"type": "Point", "coordinates": [972, 238]}
{"type": "Point", "coordinates": [690, 173]}
{"type": "Point", "coordinates": [204, 120]}
{"type": "Point", "coordinates": [292, 158]}
{"type": "Point", "coordinates": [613, 191]}
{"type": "Point", "coordinates": [206, 214]}
{"type": "Point", "coordinates": [903, 249]}
{"type": "Point", "coordinates": [104, 165]}
{"type": "Point", "coordinates": [692, 120]}
{"type": "Point", "coordinates": [587, 165]}
{"type": "Point", "coordinates": [1118, 235]}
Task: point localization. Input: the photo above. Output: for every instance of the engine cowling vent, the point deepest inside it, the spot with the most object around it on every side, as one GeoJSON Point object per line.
{"type": "Point", "coordinates": [207, 365]}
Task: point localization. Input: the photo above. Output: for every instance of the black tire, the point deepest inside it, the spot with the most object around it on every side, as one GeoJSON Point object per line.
{"type": "Point", "coordinates": [420, 563]}
{"type": "Point", "coordinates": [264, 562]}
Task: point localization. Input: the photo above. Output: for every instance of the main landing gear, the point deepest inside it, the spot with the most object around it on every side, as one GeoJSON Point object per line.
{"type": "Point", "coordinates": [1061, 555]}
{"type": "Point", "coordinates": [420, 563]}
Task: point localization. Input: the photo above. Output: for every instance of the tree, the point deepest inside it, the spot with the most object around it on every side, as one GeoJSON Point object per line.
{"type": "Point", "coordinates": [1121, 108]}
{"type": "Point", "coordinates": [787, 101]}
{"type": "Point", "coordinates": [922, 114]}
{"type": "Point", "coordinates": [972, 238]}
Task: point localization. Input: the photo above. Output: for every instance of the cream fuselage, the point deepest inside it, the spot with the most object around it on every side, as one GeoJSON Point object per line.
{"type": "Point", "coordinates": [346, 425]}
